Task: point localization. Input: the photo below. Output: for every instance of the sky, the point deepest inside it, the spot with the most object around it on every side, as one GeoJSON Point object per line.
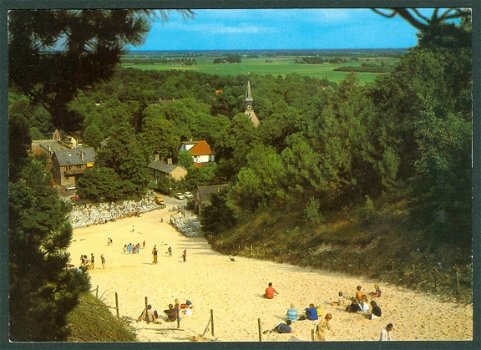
{"type": "Point", "coordinates": [257, 29]}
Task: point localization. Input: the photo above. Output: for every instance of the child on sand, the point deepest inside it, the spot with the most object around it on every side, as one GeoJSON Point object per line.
{"type": "Point", "coordinates": [320, 334]}
{"type": "Point", "coordinates": [359, 293]}
{"type": "Point", "coordinates": [340, 300]}
{"type": "Point", "coordinates": [270, 290]}
{"type": "Point", "coordinates": [376, 293]}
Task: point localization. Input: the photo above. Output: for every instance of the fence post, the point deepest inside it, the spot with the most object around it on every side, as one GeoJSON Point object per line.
{"type": "Point", "coordinates": [97, 292]}
{"type": "Point", "coordinates": [260, 329]}
{"type": "Point", "coordinates": [117, 304]}
{"type": "Point", "coordinates": [212, 322]}
{"type": "Point", "coordinates": [146, 303]}
{"type": "Point", "coordinates": [178, 315]}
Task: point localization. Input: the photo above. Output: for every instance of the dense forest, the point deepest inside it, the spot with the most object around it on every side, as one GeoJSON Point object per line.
{"type": "Point", "coordinates": [391, 158]}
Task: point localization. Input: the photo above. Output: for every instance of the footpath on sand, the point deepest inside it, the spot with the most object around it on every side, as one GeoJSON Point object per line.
{"type": "Point", "coordinates": [233, 289]}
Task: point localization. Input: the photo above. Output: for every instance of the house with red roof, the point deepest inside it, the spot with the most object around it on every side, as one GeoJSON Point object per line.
{"type": "Point", "coordinates": [200, 150]}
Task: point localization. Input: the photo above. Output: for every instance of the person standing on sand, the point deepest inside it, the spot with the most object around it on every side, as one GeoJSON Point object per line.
{"type": "Point", "coordinates": [102, 259]}
{"type": "Point", "coordinates": [320, 334]}
{"type": "Point", "coordinates": [154, 254]}
{"type": "Point", "coordinates": [92, 261]}
{"type": "Point", "coordinates": [184, 255]}
{"type": "Point", "coordinates": [270, 290]}
{"type": "Point", "coordinates": [386, 333]}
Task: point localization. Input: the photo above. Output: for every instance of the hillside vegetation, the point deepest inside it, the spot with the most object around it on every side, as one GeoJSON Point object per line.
{"type": "Point", "coordinates": [92, 321]}
{"type": "Point", "coordinates": [385, 248]}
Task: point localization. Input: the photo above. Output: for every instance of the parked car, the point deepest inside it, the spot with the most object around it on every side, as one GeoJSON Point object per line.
{"type": "Point", "coordinates": [188, 195]}
{"type": "Point", "coordinates": [159, 200]}
{"type": "Point", "coordinates": [70, 187]}
{"type": "Point", "coordinates": [179, 196]}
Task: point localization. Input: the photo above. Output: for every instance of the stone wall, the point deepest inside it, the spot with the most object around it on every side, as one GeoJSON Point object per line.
{"type": "Point", "coordinates": [99, 213]}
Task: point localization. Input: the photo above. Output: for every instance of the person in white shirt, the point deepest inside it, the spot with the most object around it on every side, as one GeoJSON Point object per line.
{"type": "Point", "coordinates": [386, 333]}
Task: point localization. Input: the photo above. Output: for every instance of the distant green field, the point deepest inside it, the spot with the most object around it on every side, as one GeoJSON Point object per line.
{"type": "Point", "coordinates": [279, 65]}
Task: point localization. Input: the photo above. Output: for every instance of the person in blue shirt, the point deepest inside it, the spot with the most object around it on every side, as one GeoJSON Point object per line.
{"type": "Point", "coordinates": [311, 312]}
{"type": "Point", "coordinates": [292, 313]}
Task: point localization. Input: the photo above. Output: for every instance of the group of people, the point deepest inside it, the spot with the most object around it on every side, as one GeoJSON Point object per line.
{"type": "Point", "coordinates": [359, 303]}
{"type": "Point", "coordinates": [89, 264]}
{"type": "Point", "coordinates": [155, 254]}
{"type": "Point", "coordinates": [172, 314]}
{"type": "Point", "coordinates": [133, 249]}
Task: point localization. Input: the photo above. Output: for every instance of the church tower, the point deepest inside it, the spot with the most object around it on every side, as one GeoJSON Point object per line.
{"type": "Point", "coordinates": [249, 109]}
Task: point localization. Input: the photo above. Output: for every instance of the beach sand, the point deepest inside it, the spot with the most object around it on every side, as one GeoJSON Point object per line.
{"type": "Point", "coordinates": [234, 290]}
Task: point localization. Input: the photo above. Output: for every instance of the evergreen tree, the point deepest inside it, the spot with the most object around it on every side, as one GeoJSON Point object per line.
{"type": "Point", "coordinates": [42, 289]}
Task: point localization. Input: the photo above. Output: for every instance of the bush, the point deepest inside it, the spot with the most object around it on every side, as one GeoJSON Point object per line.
{"type": "Point", "coordinates": [367, 213]}
{"type": "Point", "coordinates": [312, 214]}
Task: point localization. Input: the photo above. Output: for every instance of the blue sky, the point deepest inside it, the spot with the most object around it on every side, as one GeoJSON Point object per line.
{"type": "Point", "coordinates": [248, 29]}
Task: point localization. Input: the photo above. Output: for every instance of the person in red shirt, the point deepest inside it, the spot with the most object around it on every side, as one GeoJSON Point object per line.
{"type": "Point", "coordinates": [270, 290]}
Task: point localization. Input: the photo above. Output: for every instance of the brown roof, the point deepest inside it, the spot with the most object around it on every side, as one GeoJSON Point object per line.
{"type": "Point", "coordinates": [201, 148]}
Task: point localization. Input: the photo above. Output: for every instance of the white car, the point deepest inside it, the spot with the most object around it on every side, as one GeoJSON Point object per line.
{"type": "Point", "coordinates": [70, 187]}
{"type": "Point", "coordinates": [179, 196]}
{"type": "Point", "coordinates": [188, 195]}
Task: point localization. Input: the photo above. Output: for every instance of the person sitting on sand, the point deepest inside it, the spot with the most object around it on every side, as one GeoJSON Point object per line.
{"type": "Point", "coordinates": [292, 313]}
{"type": "Point", "coordinates": [359, 293]}
{"type": "Point", "coordinates": [311, 312]}
{"type": "Point", "coordinates": [270, 291]}
{"type": "Point", "coordinates": [148, 315]}
{"type": "Point", "coordinates": [340, 300]}
{"type": "Point", "coordinates": [171, 313]}
{"type": "Point", "coordinates": [188, 308]}
{"type": "Point", "coordinates": [281, 328]}
{"type": "Point", "coordinates": [375, 311]}
{"type": "Point", "coordinates": [386, 333]}
{"type": "Point", "coordinates": [354, 306]}
{"type": "Point", "coordinates": [376, 293]}
{"type": "Point", "coordinates": [320, 334]}
{"type": "Point", "coordinates": [364, 304]}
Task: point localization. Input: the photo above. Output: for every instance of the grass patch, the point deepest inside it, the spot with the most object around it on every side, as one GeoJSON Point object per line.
{"type": "Point", "coordinates": [281, 65]}
{"type": "Point", "coordinates": [92, 321]}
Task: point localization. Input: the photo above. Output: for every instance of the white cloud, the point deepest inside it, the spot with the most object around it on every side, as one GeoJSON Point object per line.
{"type": "Point", "coordinates": [213, 28]}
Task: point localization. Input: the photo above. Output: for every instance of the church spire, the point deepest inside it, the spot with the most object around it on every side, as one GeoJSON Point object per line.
{"type": "Point", "coordinates": [249, 92]}
{"type": "Point", "coordinates": [248, 103]}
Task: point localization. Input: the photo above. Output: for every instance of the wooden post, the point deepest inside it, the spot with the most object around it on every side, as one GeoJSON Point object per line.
{"type": "Point", "coordinates": [312, 334]}
{"type": "Point", "coordinates": [212, 322]}
{"type": "Point", "coordinates": [146, 303]}
{"type": "Point", "coordinates": [117, 304]}
{"type": "Point", "coordinates": [260, 329]}
{"type": "Point", "coordinates": [97, 292]}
